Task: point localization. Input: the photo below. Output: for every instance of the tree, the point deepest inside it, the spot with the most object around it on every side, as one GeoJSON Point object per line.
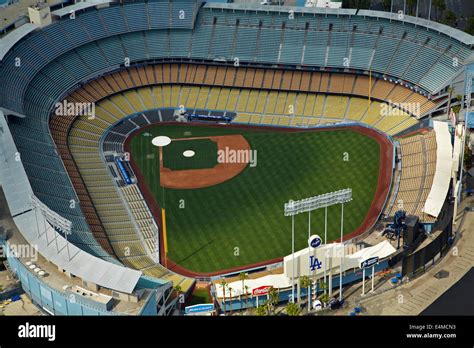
{"type": "Point", "coordinates": [456, 109]}
{"type": "Point", "coordinates": [356, 4]}
{"type": "Point", "coordinates": [230, 298]}
{"type": "Point", "coordinates": [274, 298]}
{"type": "Point", "coordinates": [411, 7]}
{"type": "Point", "coordinates": [387, 4]}
{"type": "Point", "coordinates": [440, 6]}
{"type": "Point", "coordinates": [262, 310]}
{"type": "Point", "coordinates": [224, 285]}
{"type": "Point", "coordinates": [324, 286]}
{"type": "Point", "coordinates": [246, 296]}
{"type": "Point", "coordinates": [450, 18]}
{"type": "Point", "coordinates": [324, 298]}
{"type": "Point", "coordinates": [178, 289]}
{"type": "Point", "coordinates": [470, 26]}
{"type": "Point", "coordinates": [450, 95]}
{"type": "Point", "coordinates": [242, 276]}
{"type": "Point", "coordinates": [467, 155]}
{"type": "Point", "coordinates": [306, 282]}
{"type": "Point", "coordinates": [292, 309]}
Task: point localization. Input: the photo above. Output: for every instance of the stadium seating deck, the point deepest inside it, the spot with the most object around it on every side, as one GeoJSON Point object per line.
{"type": "Point", "coordinates": [418, 156]}
{"type": "Point", "coordinates": [428, 65]}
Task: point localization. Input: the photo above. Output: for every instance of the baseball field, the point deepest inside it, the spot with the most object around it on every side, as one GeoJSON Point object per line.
{"type": "Point", "coordinates": [232, 216]}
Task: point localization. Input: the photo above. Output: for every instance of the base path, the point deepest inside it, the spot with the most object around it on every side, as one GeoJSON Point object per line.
{"type": "Point", "coordinates": [199, 178]}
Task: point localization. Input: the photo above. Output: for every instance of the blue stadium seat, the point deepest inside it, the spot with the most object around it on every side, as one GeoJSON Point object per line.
{"type": "Point", "coordinates": [136, 17]}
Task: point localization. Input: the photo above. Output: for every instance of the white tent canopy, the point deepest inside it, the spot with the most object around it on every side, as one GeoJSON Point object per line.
{"type": "Point", "coordinates": [444, 165]}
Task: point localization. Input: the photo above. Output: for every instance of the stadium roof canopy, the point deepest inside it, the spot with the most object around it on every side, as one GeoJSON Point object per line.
{"type": "Point", "coordinates": [79, 6]}
{"type": "Point", "coordinates": [8, 41]}
{"type": "Point", "coordinates": [441, 28]}
{"type": "Point", "coordinates": [39, 233]}
{"type": "Point", "coordinates": [279, 9]}
{"type": "Point", "coordinates": [54, 247]}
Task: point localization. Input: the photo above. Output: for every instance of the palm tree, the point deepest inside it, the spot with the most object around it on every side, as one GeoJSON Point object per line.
{"type": "Point", "coordinates": [411, 7]}
{"type": "Point", "coordinates": [274, 298]}
{"type": "Point", "coordinates": [470, 26]}
{"type": "Point", "coordinates": [261, 310]}
{"type": "Point", "coordinates": [230, 298]}
{"type": "Point", "coordinates": [450, 91]}
{"type": "Point", "coordinates": [306, 282]}
{"type": "Point", "coordinates": [324, 298]}
{"type": "Point", "coordinates": [450, 18]}
{"type": "Point", "coordinates": [440, 6]}
{"type": "Point", "coordinates": [242, 277]}
{"type": "Point", "coordinates": [178, 289]}
{"type": "Point", "coordinates": [293, 309]}
{"type": "Point", "coordinates": [323, 286]}
{"type": "Point", "coordinates": [246, 297]}
{"type": "Point", "coordinates": [457, 108]}
{"type": "Point", "coordinates": [224, 284]}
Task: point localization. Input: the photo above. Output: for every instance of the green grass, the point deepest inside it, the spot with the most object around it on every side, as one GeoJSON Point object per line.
{"type": "Point", "coordinates": [241, 221]}
{"type": "Point", "coordinates": [199, 296]}
{"type": "Point", "coordinates": [205, 154]}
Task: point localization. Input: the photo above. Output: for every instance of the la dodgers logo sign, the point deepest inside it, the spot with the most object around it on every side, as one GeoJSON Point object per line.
{"type": "Point", "coordinates": [314, 263]}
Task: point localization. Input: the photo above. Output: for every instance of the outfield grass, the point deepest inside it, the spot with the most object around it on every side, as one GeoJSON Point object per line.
{"type": "Point", "coordinates": [241, 221]}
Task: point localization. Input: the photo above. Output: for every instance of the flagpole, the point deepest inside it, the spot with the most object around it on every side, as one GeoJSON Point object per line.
{"type": "Point", "coordinates": [293, 256]}
{"type": "Point", "coordinates": [325, 245]}
{"type": "Point", "coordinates": [429, 12]}
{"type": "Point", "coordinates": [342, 253]}
{"type": "Point", "coordinates": [309, 282]}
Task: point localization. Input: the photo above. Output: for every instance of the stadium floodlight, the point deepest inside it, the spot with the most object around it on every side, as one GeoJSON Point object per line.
{"type": "Point", "coordinates": [307, 205]}
{"type": "Point", "coordinates": [316, 202]}
{"type": "Point", "coordinates": [54, 219]}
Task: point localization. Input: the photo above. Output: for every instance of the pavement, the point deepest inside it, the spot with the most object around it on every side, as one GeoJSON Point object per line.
{"type": "Point", "coordinates": [13, 12]}
{"type": "Point", "coordinates": [23, 307]}
{"type": "Point", "coordinates": [18, 10]}
{"type": "Point", "coordinates": [416, 295]}
{"type": "Point", "coordinates": [455, 301]}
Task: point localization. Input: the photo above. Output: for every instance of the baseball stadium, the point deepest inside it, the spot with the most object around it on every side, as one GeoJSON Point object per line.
{"type": "Point", "coordinates": [185, 157]}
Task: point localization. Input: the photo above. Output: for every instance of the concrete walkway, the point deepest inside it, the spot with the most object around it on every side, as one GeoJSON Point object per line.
{"type": "Point", "coordinates": [414, 296]}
